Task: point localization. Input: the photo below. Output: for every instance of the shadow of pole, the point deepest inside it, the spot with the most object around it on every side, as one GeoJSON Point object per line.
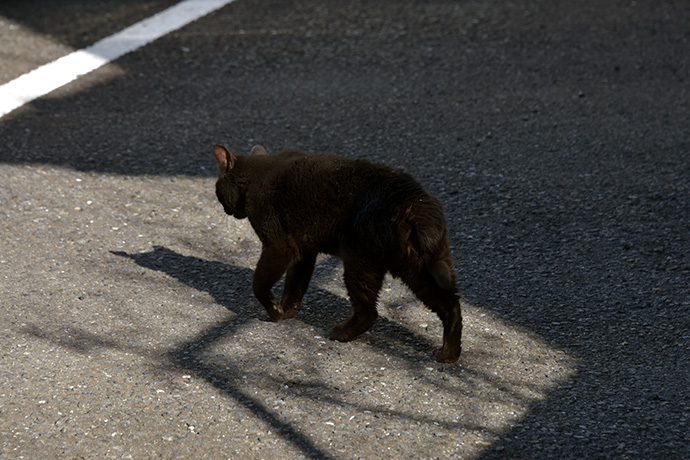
{"type": "Point", "coordinates": [188, 356]}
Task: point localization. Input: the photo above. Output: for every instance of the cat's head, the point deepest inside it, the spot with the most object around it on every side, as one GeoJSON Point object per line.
{"type": "Point", "coordinates": [231, 185]}
{"type": "Point", "coordinates": [227, 186]}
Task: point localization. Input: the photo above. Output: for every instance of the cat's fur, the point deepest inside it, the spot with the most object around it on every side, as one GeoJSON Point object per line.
{"type": "Point", "coordinates": [378, 220]}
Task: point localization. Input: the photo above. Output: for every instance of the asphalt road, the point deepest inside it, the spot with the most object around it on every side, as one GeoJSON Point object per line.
{"type": "Point", "coordinates": [555, 133]}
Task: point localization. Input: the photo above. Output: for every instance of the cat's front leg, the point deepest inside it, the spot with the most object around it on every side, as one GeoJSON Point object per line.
{"type": "Point", "coordinates": [296, 283]}
{"type": "Point", "coordinates": [271, 266]}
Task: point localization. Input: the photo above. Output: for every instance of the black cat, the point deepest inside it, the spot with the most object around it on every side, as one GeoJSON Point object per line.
{"type": "Point", "coordinates": [378, 220]}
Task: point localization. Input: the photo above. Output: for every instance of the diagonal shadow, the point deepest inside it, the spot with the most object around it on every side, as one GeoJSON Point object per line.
{"type": "Point", "coordinates": [212, 276]}
{"type": "Point", "coordinates": [187, 357]}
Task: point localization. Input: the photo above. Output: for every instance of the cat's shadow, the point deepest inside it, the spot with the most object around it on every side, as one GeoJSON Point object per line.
{"type": "Point", "coordinates": [230, 286]}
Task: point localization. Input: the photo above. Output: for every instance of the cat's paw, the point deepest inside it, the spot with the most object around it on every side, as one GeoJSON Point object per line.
{"type": "Point", "coordinates": [443, 356]}
{"type": "Point", "coordinates": [289, 313]}
{"type": "Point", "coordinates": [338, 333]}
{"type": "Point", "coordinates": [276, 312]}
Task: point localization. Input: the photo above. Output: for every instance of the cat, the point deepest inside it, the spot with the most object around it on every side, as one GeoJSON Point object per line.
{"type": "Point", "coordinates": [376, 219]}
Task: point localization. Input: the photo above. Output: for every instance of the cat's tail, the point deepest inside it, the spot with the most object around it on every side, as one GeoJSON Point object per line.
{"type": "Point", "coordinates": [430, 237]}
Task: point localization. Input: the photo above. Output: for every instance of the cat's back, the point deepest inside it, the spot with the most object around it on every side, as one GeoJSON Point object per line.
{"type": "Point", "coordinates": [328, 166]}
{"type": "Point", "coordinates": [328, 176]}
{"type": "Point", "coordinates": [330, 184]}
{"type": "Point", "coordinates": [318, 198]}
{"type": "Point", "coordinates": [301, 170]}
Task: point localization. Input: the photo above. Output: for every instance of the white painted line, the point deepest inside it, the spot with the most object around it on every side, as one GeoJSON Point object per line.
{"type": "Point", "coordinates": [51, 76]}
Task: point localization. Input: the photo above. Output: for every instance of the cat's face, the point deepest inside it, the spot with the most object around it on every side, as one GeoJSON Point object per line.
{"type": "Point", "coordinates": [232, 185]}
{"type": "Point", "coordinates": [228, 190]}
{"type": "Point", "coordinates": [227, 195]}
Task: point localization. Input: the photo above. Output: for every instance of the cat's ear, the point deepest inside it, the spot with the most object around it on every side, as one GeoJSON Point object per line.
{"type": "Point", "coordinates": [259, 150]}
{"type": "Point", "coordinates": [225, 158]}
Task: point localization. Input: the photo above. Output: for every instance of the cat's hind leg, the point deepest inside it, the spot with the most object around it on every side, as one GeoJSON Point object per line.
{"type": "Point", "coordinates": [446, 304]}
{"type": "Point", "coordinates": [296, 283]}
{"type": "Point", "coordinates": [271, 266]}
{"type": "Point", "coordinates": [363, 285]}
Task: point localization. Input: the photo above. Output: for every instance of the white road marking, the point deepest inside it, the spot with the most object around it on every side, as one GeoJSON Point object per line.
{"type": "Point", "coordinates": [51, 76]}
